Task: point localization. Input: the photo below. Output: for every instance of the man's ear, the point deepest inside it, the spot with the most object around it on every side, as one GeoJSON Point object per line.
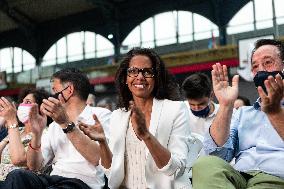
{"type": "Point", "coordinates": [71, 89]}
{"type": "Point", "coordinates": [211, 95]}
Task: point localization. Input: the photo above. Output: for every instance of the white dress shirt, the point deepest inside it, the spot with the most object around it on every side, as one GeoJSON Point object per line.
{"type": "Point", "coordinates": [201, 125]}
{"type": "Point", "coordinates": [66, 160]}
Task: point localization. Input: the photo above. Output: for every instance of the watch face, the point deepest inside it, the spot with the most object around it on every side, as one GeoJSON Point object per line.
{"type": "Point", "coordinates": [70, 127]}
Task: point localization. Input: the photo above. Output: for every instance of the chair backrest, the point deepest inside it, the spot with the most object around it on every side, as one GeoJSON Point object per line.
{"type": "Point", "coordinates": [195, 148]}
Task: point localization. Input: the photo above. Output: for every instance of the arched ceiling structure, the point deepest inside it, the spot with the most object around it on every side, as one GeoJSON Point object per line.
{"type": "Point", "coordinates": [35, 25]}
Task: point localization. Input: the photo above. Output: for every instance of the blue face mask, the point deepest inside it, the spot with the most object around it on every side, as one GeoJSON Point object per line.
{"type": "Point", "coordinates": [201, 113]}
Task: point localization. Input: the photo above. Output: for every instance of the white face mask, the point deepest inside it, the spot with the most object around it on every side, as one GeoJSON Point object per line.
{"type": "Point", "coordinates": [2, 121]}
{"type": "Point", "coordinates": [23, 112]}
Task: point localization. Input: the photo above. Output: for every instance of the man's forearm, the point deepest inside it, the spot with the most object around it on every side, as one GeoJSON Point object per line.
{"type": "Point", "coordinates": [86, 147]}
{"type": "Point", "coordinates": [106, 155]}
{"type": "Point", "coordinates": [220, 128]}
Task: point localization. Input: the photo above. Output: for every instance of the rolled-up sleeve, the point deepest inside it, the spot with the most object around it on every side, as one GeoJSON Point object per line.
{"type": "Point", "coordinates": [179, 143]}
{"type": "Point", "coordinates": [227, 151]}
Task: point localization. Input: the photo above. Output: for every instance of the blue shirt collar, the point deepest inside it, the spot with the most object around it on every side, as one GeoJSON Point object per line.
{"type": "Point", "coordinates": [257, 105]}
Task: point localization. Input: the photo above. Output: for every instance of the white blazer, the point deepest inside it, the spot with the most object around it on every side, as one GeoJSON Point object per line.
{"type": "Point", "coordinates": [170, 125]}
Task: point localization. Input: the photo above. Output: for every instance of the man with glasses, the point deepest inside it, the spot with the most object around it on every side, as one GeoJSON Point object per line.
{"type": "Point", "coordinates": [74, 157]}
{"type": "Point", "coordinates": [254, 135]}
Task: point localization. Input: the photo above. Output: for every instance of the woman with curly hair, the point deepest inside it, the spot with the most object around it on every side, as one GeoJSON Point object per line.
{"type": "Point", "coordinates": [13, 148]}
{"type": "Point", "coordinates": [149, 138]}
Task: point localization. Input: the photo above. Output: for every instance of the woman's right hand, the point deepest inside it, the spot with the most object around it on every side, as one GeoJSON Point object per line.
{"type": "Point", "coordinates": [94, 132]}
{"type": "Point", "coordinates": [139, 122]}
{"type": "Point", "coordinates": [8, 110]}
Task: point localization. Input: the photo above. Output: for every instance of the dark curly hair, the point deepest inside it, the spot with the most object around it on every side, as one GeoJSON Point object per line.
{"type": "Point", "coordinates": [165, 87]}
{"type": "Point", "coordinates": [38, 93]}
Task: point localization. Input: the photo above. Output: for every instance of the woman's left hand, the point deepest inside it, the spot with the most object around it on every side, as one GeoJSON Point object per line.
{"type": "Point", "coordinates": [139, 123]}
{"type": "Point", "coordinates": [8, 110]}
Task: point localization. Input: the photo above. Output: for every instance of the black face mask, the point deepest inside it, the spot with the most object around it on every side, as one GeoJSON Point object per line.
{"type": "Point", "coordinates": [201, 113]}
{"type": "Point", "coordinates": [261, 76]}
{"type": "Point", "coordinates": [55, 95]}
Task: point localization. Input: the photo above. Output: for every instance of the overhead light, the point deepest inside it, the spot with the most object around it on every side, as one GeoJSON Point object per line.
{"type": "Point", "coordinates": [110, 36]}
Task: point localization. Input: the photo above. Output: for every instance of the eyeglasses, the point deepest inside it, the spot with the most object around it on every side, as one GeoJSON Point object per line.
{"type": "Point", "coordinates": [146, 72]}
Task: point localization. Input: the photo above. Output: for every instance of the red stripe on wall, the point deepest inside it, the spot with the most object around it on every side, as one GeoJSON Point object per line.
{"type": "Point", "coordinates": [102, 80]}
{"type": "Point", "coordinates": [176, 70]}
{"type": "Point", "coordinates": [202, 66]}
{"type": "Point", "coordinates": [10, 92]}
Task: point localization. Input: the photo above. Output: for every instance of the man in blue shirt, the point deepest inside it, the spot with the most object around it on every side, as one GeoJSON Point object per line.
{"type": "Point", "coordinates": [253, 135]}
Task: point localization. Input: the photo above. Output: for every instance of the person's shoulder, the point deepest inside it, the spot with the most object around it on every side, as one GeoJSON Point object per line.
{"type": "Point", "coordinates": [170, 104]}
{"type": "Point", "coordinates": [100, 110]}
{"type": "Point", "coordinates": [119, 111]}
{"type": "Point", "coordinates": [169, 101]}
{"type": "Point", "coordinates": [247, 109]}
{"type": "Point", "coordinates": [174, 103]}
{"type": "Point", "coordinates": [245, 112]}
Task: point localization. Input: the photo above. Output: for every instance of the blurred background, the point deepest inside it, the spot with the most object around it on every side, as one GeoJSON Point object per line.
{"type": "Point", "coordinates": [39, 37]}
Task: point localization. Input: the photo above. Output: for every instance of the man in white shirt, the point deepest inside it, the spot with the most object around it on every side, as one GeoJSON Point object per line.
{"type": "Point", "coordinates": [197, 89]}
{"type": "Point", "coordinates": [74, 157]}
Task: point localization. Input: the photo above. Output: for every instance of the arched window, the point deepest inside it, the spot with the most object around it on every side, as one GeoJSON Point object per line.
{"type": "Point", "coordinates": [134, 38]}
{"type": "Point", "coordinates": [279, 10]}
{"type": "Point", "coordinates": [147, 29]}
{"type": "Point", "coordinates": [168, 28]}
{"type": "Point", "coordinates": [204, 28]}
{"type": "Point", "coordinates": [263, 14]}
{"type": "Point", "coordinates": [185, 26]}
{"type": "Point", "coordinates": [77, 46]}
{"type": "Point", "coordinates": [165, 28]}
{"type": "Point", "coordinates": [244, 20]}
{"type": "Point", "coordinates": [14, 59]}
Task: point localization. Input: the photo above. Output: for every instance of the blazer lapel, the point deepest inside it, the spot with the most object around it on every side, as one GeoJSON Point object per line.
{"type": "Point", "coordinates": [155, 118]}
{"type": "Point", "coordinates": [118, 148]}
{"type": "Point", "coordinates": [121, 125]}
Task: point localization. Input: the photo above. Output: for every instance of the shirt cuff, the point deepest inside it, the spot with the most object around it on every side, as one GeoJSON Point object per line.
{"type": "Point", "coordinates": [171, 167]}
{"type": "Point", "coordinates": [210, 145]}
{"type": "Point", "coordinates": [105, 170]}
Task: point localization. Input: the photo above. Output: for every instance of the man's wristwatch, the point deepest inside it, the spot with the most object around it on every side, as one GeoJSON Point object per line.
{"type": "Point", "coordinates": [70, 127]}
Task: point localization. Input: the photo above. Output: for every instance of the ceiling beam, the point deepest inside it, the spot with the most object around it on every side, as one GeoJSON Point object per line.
{"type": "Point", "coordinates": [18, 17]}
{"type": "Point", "coordinates": [106, 5]}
